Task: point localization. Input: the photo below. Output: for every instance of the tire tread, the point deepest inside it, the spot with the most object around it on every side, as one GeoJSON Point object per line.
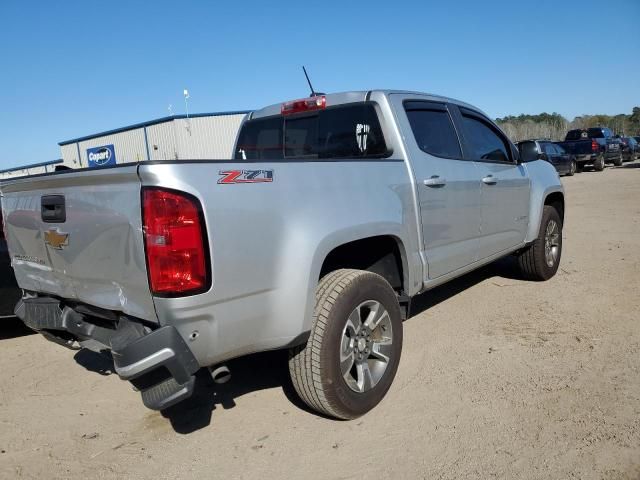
{"type": "Point", "coordinates": [531, 261]}
{"type": "Point", "coordinates": [304, 361]}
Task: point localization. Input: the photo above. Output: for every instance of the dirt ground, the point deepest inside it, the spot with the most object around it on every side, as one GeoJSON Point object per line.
{"type": "Point", "coordinates": [499, 378]}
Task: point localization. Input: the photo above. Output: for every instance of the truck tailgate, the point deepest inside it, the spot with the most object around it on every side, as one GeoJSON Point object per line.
{"type": "Point", "coordinates": [577, 147]}
{"type": "Point", "coordinates": [78, 236]}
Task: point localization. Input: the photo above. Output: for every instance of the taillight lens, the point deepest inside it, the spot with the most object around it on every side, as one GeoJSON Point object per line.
{"type": "Point", "coordinates": [177, 256]}
{"type": "Point", "coordinates": [318, 102]}
{"type": "Point", "coordinates": [594, 146]}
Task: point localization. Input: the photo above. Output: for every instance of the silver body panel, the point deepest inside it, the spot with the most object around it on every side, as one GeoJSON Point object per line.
{"type": "Point", "coordinates": [104, 263]}
{"type": "Point", "coordinates": [268, 241]}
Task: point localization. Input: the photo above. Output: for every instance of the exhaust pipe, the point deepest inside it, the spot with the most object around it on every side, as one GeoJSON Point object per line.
{"type": "Point", "coordinates": [221, 374]}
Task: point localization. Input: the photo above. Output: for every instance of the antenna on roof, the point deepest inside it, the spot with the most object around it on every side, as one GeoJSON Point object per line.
{"type": "Point", "coordinates": [313, 92]}
{"type": "Point", "coordinates": [185, 92]}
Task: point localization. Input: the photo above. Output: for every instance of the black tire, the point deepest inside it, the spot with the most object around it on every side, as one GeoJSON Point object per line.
{"type": "Point", "coordinates": [532, 261]}
{"type": "Point", "coordinates": [598, 165]}
{"type": "Point", "coordinates": [315, 367]}
{"type": "Point", "coordinates": [619, 160]}
{"type": "Point", "coordinates": [580, 167]}
{"type": "Point", "coordinates": [572, 168]}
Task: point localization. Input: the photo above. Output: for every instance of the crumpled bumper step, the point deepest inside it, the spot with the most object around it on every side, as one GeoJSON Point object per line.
{"type": "Point", "coordinates": [167, 393]}
{"type": "Point", "coordinates": [159, 363]}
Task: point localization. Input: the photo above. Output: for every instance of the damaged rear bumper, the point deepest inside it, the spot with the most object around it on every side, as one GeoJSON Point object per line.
{"type": "Point", "coordinates": [157, 362]}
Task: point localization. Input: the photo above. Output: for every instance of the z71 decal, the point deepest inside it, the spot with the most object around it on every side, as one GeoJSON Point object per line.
{"type": "Point", "coordinates": [245, 176]}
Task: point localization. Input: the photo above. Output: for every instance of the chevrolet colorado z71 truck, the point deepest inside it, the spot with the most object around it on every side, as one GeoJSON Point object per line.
{"type": "Point", "coordinates": [335, 211]}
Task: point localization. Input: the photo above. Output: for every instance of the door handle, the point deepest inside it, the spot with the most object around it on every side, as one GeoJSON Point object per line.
{"type": "Point", "coordinates": [435, 181]}
{"type": "Point", "coordinates": [489, 180]}
{"type": "Point", "coordinates": [53, 209]}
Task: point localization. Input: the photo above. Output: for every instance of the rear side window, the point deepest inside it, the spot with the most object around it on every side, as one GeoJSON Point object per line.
{"type": "Point", "coordinates": [433, 129]}
{"type": "Point", "coordinates": [596, 132]}
{"type": "Point", "coordinates": [346, 131]}
{"type": "Point", "coordinates": [485, 143]}
{"type": "Point", "coordinates": [548, 148]}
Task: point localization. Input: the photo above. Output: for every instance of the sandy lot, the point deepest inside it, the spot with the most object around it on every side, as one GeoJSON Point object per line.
{"type": "Point", "coordinates": [499, 378]}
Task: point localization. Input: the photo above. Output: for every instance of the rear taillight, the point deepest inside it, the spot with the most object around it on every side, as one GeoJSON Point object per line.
{"type": "Point", "coordinates": [594, 146]}
{"type": "Point", "coordinates": [177, 256]}
{"type": "Point", "coordinates": [318, 102]}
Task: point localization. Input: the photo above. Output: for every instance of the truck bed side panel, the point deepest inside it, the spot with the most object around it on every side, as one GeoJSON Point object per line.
{"type": "Point", "coordinates": [268, 241]}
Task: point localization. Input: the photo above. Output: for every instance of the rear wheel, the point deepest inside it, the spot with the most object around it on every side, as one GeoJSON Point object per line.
{"type": "Point", "coordinates": [619, 160]}
{"type": "Point", "coordinates": [599, 163]}
{"type": "Point", "coordinates": [541, 259]}
{"type": "Point", "coordinates": [572, 168]}
{"type": "Point", "coordinates": [352, 355]}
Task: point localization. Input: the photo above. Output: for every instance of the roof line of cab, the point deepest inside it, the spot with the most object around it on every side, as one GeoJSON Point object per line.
{"type": "Point", "coordinates": [339, 98]}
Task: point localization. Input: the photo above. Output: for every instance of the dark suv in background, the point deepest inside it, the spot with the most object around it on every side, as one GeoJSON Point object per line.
{"type": "Point", "coordinates": [630, 148]}
{"type": "Point", "coordinates": [543, 149]}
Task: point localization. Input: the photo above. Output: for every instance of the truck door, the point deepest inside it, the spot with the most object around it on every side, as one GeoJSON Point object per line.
{"type": "Point", "coordinates": [448, 186]}
{"type": "Point", "coordinates": [505, 184]}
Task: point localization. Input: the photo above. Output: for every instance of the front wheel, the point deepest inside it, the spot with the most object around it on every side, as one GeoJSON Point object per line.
{"type": "Point", "coordinates": [352, 354]}
{"type": "Point", "coordinates": [572, 169]}
{"type": "Point", "coordinates": [541, 259]}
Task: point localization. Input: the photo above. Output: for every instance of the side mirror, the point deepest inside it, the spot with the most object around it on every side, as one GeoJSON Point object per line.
{"type": "Point", "coordinates": [543, 156]}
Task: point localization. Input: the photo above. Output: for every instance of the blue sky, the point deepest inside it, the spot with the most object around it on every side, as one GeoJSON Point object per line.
{"type": "Point", "coordinates": [75, 68]}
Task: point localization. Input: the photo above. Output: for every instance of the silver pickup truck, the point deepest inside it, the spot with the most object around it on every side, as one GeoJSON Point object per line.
{"type": "Point", "coordinates": [335, 211]}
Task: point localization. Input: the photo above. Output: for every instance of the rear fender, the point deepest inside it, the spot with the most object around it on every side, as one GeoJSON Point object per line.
{"type": "Point", "coordinates": [411, 268]}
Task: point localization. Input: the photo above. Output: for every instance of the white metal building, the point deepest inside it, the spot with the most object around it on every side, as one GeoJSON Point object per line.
{"type": "Point", "coordinates": [178, 137]}
{"type": "Point", "coordinates": [33, 169]}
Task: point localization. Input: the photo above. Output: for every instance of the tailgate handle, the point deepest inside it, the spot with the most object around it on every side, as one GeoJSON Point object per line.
{"type": "Point", "coordinates": [53, 209]}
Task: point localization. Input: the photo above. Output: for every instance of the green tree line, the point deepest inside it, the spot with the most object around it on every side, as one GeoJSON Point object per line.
{"type": "Point", "coordinates": [555, 126]}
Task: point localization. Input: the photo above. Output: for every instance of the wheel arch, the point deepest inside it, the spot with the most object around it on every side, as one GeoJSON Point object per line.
{"type": "Point", "coordinates": [381, 254]}
{"type": "Point", "coordinates": [381, 249]}
{"type": "Point", "coordinates": [553, 196]}
{"type": "Point", "coordinates": [546, 189]}
{"type": "Point", "coordinates": [556, 200]}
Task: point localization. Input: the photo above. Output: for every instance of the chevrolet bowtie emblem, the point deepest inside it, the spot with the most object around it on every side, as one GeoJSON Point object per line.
{"type": "Point", "coordinates": [56, 239]}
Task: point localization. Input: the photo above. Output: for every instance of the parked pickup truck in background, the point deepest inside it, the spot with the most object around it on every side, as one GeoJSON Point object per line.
{"type": "Point", "coordinates": [593, 146]}
{"type": "Point", "coordinates": [335, 211]}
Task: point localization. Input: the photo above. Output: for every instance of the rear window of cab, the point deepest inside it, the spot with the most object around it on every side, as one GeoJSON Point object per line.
{"type": "Point", "coordinates": [344, 131]}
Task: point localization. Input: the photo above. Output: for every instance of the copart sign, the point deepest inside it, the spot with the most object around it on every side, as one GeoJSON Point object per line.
{"type": "Point", "coordinates": [101, 156]}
